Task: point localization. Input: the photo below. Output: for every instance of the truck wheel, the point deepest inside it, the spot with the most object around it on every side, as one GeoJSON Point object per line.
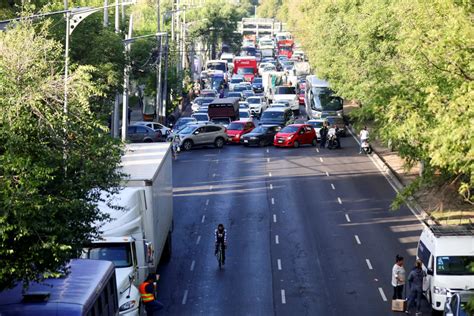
{"type": "Point", "coordinates": [167, 249]}
{"type": "Point", "coordinates": [187, 145]}
{"type": "Point", "coordinates": [219, 142]}
{"type": "Point", "coordinates": [296, 144]}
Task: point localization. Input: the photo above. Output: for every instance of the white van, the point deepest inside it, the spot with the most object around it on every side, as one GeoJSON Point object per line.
{"type": "Point", "coordinates": [447, 253]}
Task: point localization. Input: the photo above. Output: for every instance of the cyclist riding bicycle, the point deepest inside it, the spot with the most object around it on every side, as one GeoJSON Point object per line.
{"type": "Point", "coordinates": [221, 239]}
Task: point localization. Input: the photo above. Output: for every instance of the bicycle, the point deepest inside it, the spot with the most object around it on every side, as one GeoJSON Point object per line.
{"type": "Point", "coordinates": [220, 255]}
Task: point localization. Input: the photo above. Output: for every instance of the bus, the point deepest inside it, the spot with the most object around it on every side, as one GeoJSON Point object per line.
{"type": "Point", "coordinates": [320, 100]}
{"type": "Point", "coordinates": [89, 289]}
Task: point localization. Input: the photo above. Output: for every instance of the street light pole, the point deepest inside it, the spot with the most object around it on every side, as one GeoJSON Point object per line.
{"type": "Point", "coordinates": [126, 83]}
{"type": "Point", "coordinates": [165, 85]}
{"type": "Point", "coordinates": [66, 55]}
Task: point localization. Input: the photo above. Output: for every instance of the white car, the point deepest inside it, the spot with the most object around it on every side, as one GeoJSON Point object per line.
{"type": "Point", "coordinates": [235, 80]}
{"type": "Point", "coordinates": [268, 68]}
{"type": "Point", "coordinates": [261, 66]}
{"type": "Point", "coordinates": [257, 105]}
{"type": "Point", "coordinates": [316, 124]}
{"type": "Point", "coordinates": [155, 126]}
{"type": "Point", "coordinates": [244, 115]}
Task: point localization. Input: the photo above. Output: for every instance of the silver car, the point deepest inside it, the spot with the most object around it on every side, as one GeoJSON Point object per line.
{"type": "Point", "coordinates": [201, 135]}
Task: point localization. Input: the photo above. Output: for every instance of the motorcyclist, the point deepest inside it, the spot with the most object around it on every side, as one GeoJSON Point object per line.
{"type": "Point", "coordinates": [364, 137]}
{"type": "Point", "coordinates": [332, 137]}
{"type": "Point", "coordinates": [221, 238]}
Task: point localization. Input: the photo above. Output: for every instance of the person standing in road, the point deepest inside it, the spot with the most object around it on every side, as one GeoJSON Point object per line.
{"type": "Point", "coordinates": [323, 133]}
{"type": "Point", "coordinates": [398, 278]}
{"type": "Point", "coordinates": [363, 136]}
{"type": "Point", "coordinates": [147, 293]}
{"type": "Point", "coordinates": [415, 284]}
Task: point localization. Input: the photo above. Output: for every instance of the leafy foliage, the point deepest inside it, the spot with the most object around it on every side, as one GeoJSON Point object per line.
{"type": "Point", "coordinates": [52, 165]}
{"type": "Point", "coordinates": [409, 63]}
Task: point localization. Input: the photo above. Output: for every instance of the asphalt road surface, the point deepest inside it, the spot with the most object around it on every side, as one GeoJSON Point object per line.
{"type": "Point", "coordinates": [309, 233]}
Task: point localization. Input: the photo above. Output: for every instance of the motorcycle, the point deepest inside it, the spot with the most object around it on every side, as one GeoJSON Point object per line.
{"type": "Point", "coordinates": [333, 140]}
{"type": "Point", "coordinates": [365, 146]}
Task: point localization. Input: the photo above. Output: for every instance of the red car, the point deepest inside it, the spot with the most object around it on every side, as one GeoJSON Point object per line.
{"type": "Point", "coordinates": [301, 97]}
{"type": "Point", "coordinates": [236, 129]}
{"type": "Point", "coordinates": [295, 135]}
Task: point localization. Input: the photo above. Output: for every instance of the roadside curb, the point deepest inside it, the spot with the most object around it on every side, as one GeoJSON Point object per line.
{"type": "Point", "coordinates": [393, 179]}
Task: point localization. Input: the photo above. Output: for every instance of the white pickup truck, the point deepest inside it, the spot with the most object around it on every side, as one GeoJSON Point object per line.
{"type": "Point", "coordinates": [286, 93]}
{"type": "Point", "coordinates": [139, 233]}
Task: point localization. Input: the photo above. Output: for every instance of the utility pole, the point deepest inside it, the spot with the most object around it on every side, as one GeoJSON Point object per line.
{"type": "Point", "coordinates": [158, 110]}
{"type": "Point", "coordinates": [116, 120]}
{"type": "Point", "coordinates": [106, 13]}
{"type": "Point", "coordinates": [66, 54]}
{"type": "Point", "coordinates": [165, 84]}
{"type": "Point", "coordinates": [183, 61]}
{"type": "Point", "coordinates": [126, 83]}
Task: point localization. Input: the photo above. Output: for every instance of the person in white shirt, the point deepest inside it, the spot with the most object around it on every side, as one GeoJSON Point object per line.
{"type": "Point", "coordinates": [364, 136]}
{"type": "Point", "coordinates": [398, 278]}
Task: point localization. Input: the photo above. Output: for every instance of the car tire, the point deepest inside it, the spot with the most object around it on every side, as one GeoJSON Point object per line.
{"type": "Point", "coordinates": [187, 145]}
{"type": "Point", "coordinates": [219, 142]}
{"type": "Point", "coordinates": [261, 143]}
{"type": "Point", "coordinates": [314, 142]}
{"type": "Point", "coordinates": [296, 144]}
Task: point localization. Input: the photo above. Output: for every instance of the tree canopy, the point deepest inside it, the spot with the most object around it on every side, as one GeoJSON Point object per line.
{"type": "Point", "coordinates": [410, 64]}
{"type": "Point", "coordinates": [52, 164]}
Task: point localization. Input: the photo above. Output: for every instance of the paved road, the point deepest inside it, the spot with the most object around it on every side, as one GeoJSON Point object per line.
{"type": "Point", "coordinates": [310, 233]}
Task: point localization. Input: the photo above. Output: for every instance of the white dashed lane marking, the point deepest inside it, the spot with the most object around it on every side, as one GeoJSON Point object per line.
{"type": "Point", "coordinates": [339, 200]}
{"type": "Point", "coordinates": [274, 218]}
{"type": "Point", "coordinates": [198, 240]}
{"type": "Point", "coordinates": [207, 202]}
{"type": "Point", "coordinates": [279, 264]}
{"type": "Point", "coordinates": [369, 264]}
{"type": "Point", "coordinates": [271, 186]}
{"type": "Point", "coordinates": [273, 201]}
{"type": "Point", "coordinates": [277, 239]}
{"type": "Point", "coordinates": [348, 219]}
{"type": "Point", "coordinates": [321, 159]}
{"type": "Point", "coordinates": [268, 159]}
{"type": "Point", "coordinates": [269, 174]}
{"type": "Point", "coordinates": [185, 298]}
{"type": "Point", "coordinates": [283, 297]}
{"type": "Point", "coordinates": [333, 187]}
{"type": "Point", "coordinates": [203, 218]}
{"type": "Point", "coordinates": [357, 239]}
{"type": "Point", "coordinates": [317, 150]}
{"type": "Point", "coordinates": [384, 298]}
{"type": "Point", "coordinates": [192, 265]}
{"type": "Point", "coordinates": [327, 174]}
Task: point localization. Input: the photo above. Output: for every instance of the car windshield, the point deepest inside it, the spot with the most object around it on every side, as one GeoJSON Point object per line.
{"type": "Point", "coordinates": [235, 127]}
{"type": "Point", "coordinates": [119, 254]}
{"type": "Point", "coordinates": [236, 80]}
{"type": "Point", "coordinates": [216, 66]}
{"type": "Point", "coordinates": [454, 265]}
{"type": "Point", "coordinates": [257, 80]}
{"type": "Point", "coordinates": [316, 124]}
{"type": "Point", "coordinates": [222, 120]}
{"type": "Point", "coordinates": [245, 71]}
{"type": "Point", "coordinates": [335, 120]}
{"type": "Point", "coordinates": [201, 117]}
{"type": "Point", "coordinates": [285, 90]}
{"type": "Point", "coordinates": [244, 114]}
{"type": "Point", "coordinates": [186, 130]}
{"type": "Point", "coordinates": [253, 100]}
{"type": "Point", "coordinates": [290, 129]}
{"type": "Point", "coordinates": [273, 115]}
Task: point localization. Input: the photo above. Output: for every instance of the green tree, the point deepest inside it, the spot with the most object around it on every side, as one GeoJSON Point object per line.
{"type": "Point", "coordinates": [52, 165]}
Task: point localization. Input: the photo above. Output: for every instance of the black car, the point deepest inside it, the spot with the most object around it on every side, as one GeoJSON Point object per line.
{"type": "Point", "coordinates": [257, 85]}
{"type": "Point", "coordinates": [277, 116]}
{"type": "Point", "coordinates": [260, 136]}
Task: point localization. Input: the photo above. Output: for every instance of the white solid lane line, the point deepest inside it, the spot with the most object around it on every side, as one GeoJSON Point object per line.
{"type": "Point", "coordinates": [185, 298]}
{"type": "Point", "coordinates": [357, 239]}
{"type": "Point", "coordinates": [203, 218]}
{"type": "Point", "coordinates": [327, 174]}
{"type": "Point", "coordinates": [384, 298]}
{"type": "Point", "coordinates": [192, 265]}
{"type": "Point", "coordinates": [277, 239]}
{"type": "Point", "coordinates": [198, 240]}
{"type": "Point", "coordinates": [279, 264]}
{"type": "Point", "coordinates": [339, 200]}
{"type": "Point", "coordinates": [274, 218]}
{"type": "Point", "coordinates": [271, 186]}
{"type": "Point", "coordinates": [369, 264]}
{"type": "Point", "coordinates": [321, 159]}
{"type": "Point", "coordinates": [273, 201]}
{"type": "Point", "coordinates": [333, 187]}
{"type": "Point", "coordinates": [348, 218]}
{"type": "Point", "coordinates": [283, 297]}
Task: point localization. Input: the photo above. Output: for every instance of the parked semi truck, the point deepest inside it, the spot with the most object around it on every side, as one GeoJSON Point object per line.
{"type": "Point", "coordinates": [139, 233]}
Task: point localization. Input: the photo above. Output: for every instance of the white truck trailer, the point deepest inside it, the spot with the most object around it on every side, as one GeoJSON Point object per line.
{"type": "Point", "coordinates": [139, 233]}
